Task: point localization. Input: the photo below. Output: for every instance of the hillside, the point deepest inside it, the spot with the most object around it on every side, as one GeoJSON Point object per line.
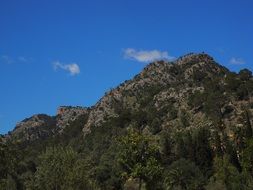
{"type": "Point", "coordinates": [185, 124]}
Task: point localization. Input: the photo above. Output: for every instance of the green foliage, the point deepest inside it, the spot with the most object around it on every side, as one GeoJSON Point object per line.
{"type": "Point", "coordinates": [232, 82]}
{"type": "Point", "coordinates": [107, 172]}
{"type": "Point", "coordinates": [184, 118]}
{"type": "Point", "coordinates": [213, 105]}
{"type": "Point", "coordinates": [148, 93]}
{"type": "Point", "coordinates": [9, 166]}
{"type": "Point", "coordinates": [203, 151]}
{"type": "Point", "coordinates": [184, 174]}
{"type": "Point", "coordinates": [139, 158]}
{"type": "Point", "coordinates": [140, 147]}
{"type": "Point", "coordinates": [196, 100]}
{"type": "Point", "coordinates": [247, 157]}
{"type": "Point", "coordinates": [216, 144]}
{"type": "Point", "coordinates": [195, 146]}
{"type": "Point", "coordinates": [226, 175]}
{"type": "Point", "coordinates": [211, 100]}
{"type": "Point", "coordinates": [155, 126]}
{"type": "Point", "coordinates": [245, 74]}
{"type": "Point", "coordinates": [3, 160]}
{"type": "Point", "coordinates": [198, 76]}
{"type": "Point", "coordinates": [60, 168]}
{"type": "Point", "coordinates": [240, 86]}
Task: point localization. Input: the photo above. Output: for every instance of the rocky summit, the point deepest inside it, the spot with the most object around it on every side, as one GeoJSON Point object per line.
{"type": "Point", "coordinates": [184, 124]}
{"type": "Point", "coordinates": [171, 86]}
{"type": "Point", "coordinates": [42, 126]}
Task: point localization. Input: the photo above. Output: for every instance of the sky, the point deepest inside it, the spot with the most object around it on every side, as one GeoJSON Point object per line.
{"type": "Point", "coordinates": [70, 52]}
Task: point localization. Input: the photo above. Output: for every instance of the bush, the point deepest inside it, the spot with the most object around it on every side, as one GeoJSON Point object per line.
{"type": "Point", "coordinates": [183, 174]}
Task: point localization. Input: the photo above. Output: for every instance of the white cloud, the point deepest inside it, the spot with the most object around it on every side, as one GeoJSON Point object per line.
{"type": "Point", "coordinates": [146, 56]}
{"type": "Point", "coordinates": [237, 61]}
{"type": "Point", "coordinates": [72, 68]}
{"type": "Point", "coordinates": [23, 59]}
{"type": "Point", "coordinates": [10, 60]}
{"type": "Point", "coordinates": [6, 59]}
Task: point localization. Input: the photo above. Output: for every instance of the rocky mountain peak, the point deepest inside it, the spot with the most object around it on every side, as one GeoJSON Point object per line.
{"type": "Point", "coordinates": [38, 126]}
{"type": "Point", "coordinates": [178, 105]}
{"type": "Point", "coordinates": [184, 66]}
{"type": "Point", "coordinates": [175, 79]}
{"type": "Point", "coordinates": [42, 126]}
{"type": "Point", "coordinates": [193, 58]}
{"type": "Point", "coordinates": [34, 121]}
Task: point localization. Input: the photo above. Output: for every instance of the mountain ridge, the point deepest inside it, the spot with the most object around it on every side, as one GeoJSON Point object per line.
{"type": "Point", "coordinates": [186, 72]}
{"type": "Point", "coordinates": [192, 116]}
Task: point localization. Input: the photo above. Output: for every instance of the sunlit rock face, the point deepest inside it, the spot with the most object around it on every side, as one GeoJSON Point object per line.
{"type": "Point", "coordinates": [38, 126]}
{"type": "Point", "coordinates": [67, 114]}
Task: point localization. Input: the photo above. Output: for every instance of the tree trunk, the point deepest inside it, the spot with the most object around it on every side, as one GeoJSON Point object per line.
{"type": "Point", "coordinates": [140, 183]}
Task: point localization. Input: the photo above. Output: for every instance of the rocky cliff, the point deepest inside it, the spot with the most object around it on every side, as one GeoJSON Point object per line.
{"type": "Point", "coordinates": [192, 91]}
{"type": "Point", "coordinates": [171, 85]}
{"type": "Point", "coordinates": [42, 126]}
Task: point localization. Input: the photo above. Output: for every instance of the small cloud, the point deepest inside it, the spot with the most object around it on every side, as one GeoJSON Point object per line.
{"type": "Point", "coordinates": [72, 68]}
{"type": "Point", "coordinates": [22, 59]}
{"type": "Point", "coordinates": [146, 56]}
{"type": "Point", "coordinates": [6, 59]}
{"type": "Point", "coordinates": [236, 61]}
{"type": "Point", "coordinates": [10, 60]}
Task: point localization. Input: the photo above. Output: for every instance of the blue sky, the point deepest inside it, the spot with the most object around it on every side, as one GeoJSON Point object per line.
{"type": "Point", "coordinates": [59, 52]}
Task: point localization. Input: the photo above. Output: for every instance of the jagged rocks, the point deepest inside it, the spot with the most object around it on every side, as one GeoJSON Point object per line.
{"type": "Point", "coordinates": [42, 126]}
{"type": "Point", "coordinates": [38, 126]}
{"type": "Point", "coordinates": [68, 114]}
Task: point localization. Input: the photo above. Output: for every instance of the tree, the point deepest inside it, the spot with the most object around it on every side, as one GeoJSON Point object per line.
{"type": "Point", "coordinates": [247, 121]}
{"type": "Point", "coordinates": [8, 166]}
{"type": "Point", "coordinates": [202, 148]}
{"type": "Point", "coordinates": [231, 152]}
{"type": "Point", "coordinates": [217, 144]}
{"type": "Point", "coordinates": [245, 74]}
{"type": "Point", "coordinates": [166, 145]}
{"type": "Point", "coordinates": [184, 174]}
{"type": "Point", "coordinates": [139, 158]}
{"type": "Point", "coordinates": [3, 160]}
{"type": "Point", "coordinates": [60, 169]}
{"type": "Point", "coordinates": [247, 157]}
{"type": "Point", "coordinates": [107, 172]}
{"type": "Point", "coordinates": [183, 145]}
{"type": "Point", "coordinates": [227, 176]}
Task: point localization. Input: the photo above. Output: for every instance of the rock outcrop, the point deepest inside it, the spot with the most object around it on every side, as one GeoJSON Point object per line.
{"type": "Point", "coordinates": [165, 88]}
{"type": "Point", "coordinates": [170, 76]}
{"type": "Point", "coordinates": [42, 126]}
{"type": "Point", "coordinates": [67, 114]}
{"type": "Point", "coordinates": [36, 127]}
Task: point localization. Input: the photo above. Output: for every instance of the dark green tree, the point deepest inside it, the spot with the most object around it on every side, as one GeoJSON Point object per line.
{"type": "Point", "coordinates": [184, 174]}
{"type": "Point", "coordinates": [60, 169]}
{"type": "Point", "coordinates": [227, 176]}
{"type": "Point", "coordinates": [202, 148]}
{"type": "Point", "coordinates": [139, 158]}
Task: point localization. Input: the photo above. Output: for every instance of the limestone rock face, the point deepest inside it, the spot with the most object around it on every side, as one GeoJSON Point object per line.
{"type": "Point", "coordinates": [175, 78]}
{"type": "Point", "coordinates": [67, 114]}
{"type": "Point", "coordinates": [39, 126]}
{"type": "Point", "coordinates": [162, 87]}
{"type": "Point", "coordinates": [42, 126]}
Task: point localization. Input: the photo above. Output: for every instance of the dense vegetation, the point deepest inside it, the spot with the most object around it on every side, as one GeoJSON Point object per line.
{"type": "Point", "coordinates": [133, 150]}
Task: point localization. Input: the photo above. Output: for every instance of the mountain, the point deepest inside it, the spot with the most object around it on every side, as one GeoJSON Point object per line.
{"type": "Point", "coordinates": [42, 126]}
{"type": "Point", "coordinates": [165, 82]}
{"type": "Point", "coordinates": [192, 109]}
